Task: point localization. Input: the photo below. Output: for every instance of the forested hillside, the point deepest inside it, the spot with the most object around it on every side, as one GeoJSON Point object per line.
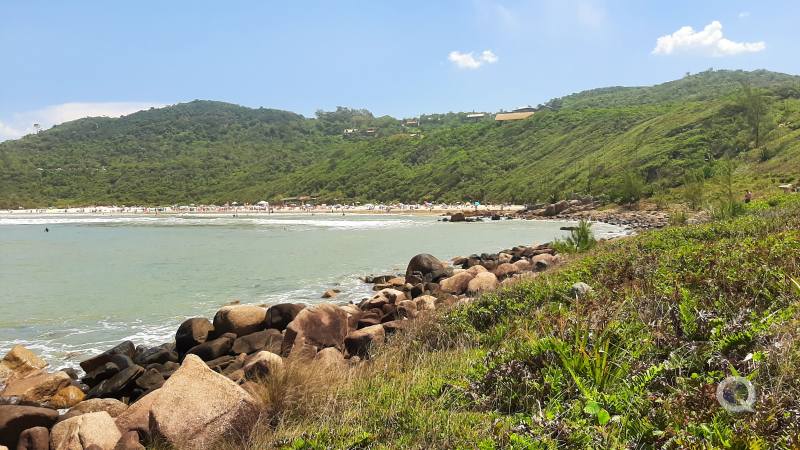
{"type": "Point", "coordinates": [591, 142]}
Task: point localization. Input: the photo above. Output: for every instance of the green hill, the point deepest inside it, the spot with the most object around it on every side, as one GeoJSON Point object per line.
{"type": "Point", "coordinates": [212, 152]}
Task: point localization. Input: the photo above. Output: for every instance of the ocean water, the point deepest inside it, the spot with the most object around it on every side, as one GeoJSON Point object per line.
{"type": "Point", "coordinates": [93, 281]}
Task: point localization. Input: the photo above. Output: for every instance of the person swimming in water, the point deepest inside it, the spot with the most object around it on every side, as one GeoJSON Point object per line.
{"type": "Point", "coordinates": [46, 230]}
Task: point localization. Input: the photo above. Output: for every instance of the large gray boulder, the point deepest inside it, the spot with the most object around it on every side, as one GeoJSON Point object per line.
{"type": "Point", "coordinates": [197, 408]}
{"type": "Point", "coordinates": [279, 316]}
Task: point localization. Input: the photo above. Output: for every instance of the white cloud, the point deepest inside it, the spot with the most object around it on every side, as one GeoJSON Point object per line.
{"type": "Point", "coordinates": [744, 14]}
{"type": "Point", "coordinates": [708, 41]}
{"type": "Point", "coordinates": [468, 61]}
{"type": "Point", "coordinates": [20, 124]}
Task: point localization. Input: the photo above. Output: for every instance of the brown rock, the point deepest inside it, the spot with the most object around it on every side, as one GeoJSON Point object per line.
{"type": "Point", "coordinates": [476, 269]}
{"type": "Point", "coordinates": [197, 408]}
{"type": "Point", "coordinates": [279, 316]}
{"type": "Point", "coordinates": [137, 416]}
{"type": "Point", "coordinates": [112, 406]}
{"type": "Point", "coordinates": [483, 282]}
{"type": "Point", "coordinates": [505, 270]}
{"type": "Point", "coordinates": [359, 342]}
{"type": "Point", "coordinates": [192, 332]}
{"type": "Point", "coordinates": [67, 397]}
{"type": "Point", "coordinates": [15, 419]}
{"type": "Point", "coordinates": [543, 261]}
{"type": "Point", "coordinates": [262, 365]}
{"type": "Point", "coordinates": [394, 326]}
{"type": "Point", "coordinates": [406, 309]}
{"type": "Point", "coordinates": [321, 326]}
{"type": "Point", "coordinates": [239, 319]}
{"type": "Point", "coordinates": [330, 357]}
{"type": "Point", "coordinates": [126, 348]}
{"type": "Point", "coordinates": [129, 441]}
{"type": "Point", "coordinates": [425, 303]}
{"type": "Point", "coordinates": [330, 293]}
{"type": "Point", "coordinates": [39, 388]}
{"type": "Point", "coordinates": [36, 438]}
{"type": "Point", "coordinates": [215, 348]}
{"type": "Point", "coordinates": [523, 265]}
{"type": "Point", "coordinates": [269, 340]}
{"type": "Point", "coordinates": [19, 362]}
{"type": "Point", "coordinates": [457, 284]}
{"type": "Point", "coordinates": [80, 432]}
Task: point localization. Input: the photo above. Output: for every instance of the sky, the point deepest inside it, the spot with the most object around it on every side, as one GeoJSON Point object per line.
{"type": "Point", "coordinates": [60, 61]}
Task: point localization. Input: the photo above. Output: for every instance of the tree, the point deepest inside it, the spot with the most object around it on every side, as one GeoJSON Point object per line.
{"type": "Point", "coordinates": [753, 102]}
{"type": "Point", "coordinates": [727, 204]}
{"type": "Point", "coordinates": [694, 188]}
{"type": "Point", "coordinates": [631, 187]}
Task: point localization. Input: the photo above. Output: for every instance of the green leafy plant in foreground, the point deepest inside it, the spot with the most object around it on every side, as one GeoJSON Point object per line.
{"type": "Point", "coordinates": [581, 239]}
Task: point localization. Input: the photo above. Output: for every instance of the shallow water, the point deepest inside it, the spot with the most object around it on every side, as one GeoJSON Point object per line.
{"type": "Point", "coordinates": [92, 281]}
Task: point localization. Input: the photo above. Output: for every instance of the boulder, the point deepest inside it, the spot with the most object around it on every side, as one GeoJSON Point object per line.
{"type": "Point", "coordinates": [457, 284]}
{"type": "Point", "coordinates": [166, 370]}
{"type": "Point", "coordinates": [129, 441]}
{"type": "Point", "coordinates": [320, 326]}
{"type": "Point", "coordinates": [505, 270]}
{"type": "Point", "coordinates": [476, 269]}
{"type": "Point", "coordinates": [197, 408]}
{"type": "Point", "coordinates": [543, 261]}
{"type": "Point", "coordinates": [15, 419]}
{"type": "Point", "coordinates": [279, 316]}
{"type": "Point", "coordinates": [330, 357]}
{"type": "Point", "coordinates": [457, 217]}
{"type": "Point", "coordinates": [126, 348]}
{"type": "Point", "coordinates": [330, 293]}
{"type": "Point", "coordinates": [192, 332]}
{"type": "Point", "coordinates": [240, 320]}
{"type": "Point", "coordinates": [101, 373]}
{"type": "Point", "coordinates": [112, 406]}
{"type": "Point", "coordinates": [580, 290]}
{"type": "Point", "coordinates": [394, 326]}
{"type": "Point", "coordinates": [81, 432]}
{"type": "Point", "coordinates": [67, 397]}
{"type": "Point", "coordinates": [425, 265]}
{"type": "Point", "coordinates": [523, 265]}
{"type": "Point", "coordinates": [383, 297]}
{"type": "Point", "coordinates": [215, 348]}
{"type": "Point", "coordinates": [39, 388]}
{"type": "Point", "coordinates": [137, 416]}
{"type": "Point", "coordinates": [359, 342]}
{"type": "Point", "coordinates": [262, 364]}
{"type": "Point", "coordinates": [483, 282]}
{"type": "Point", "coordinates": [150, 380]}
{"type": "Point", "coordinates": [269, 340]}
{"type": "Point", "coordinates": [156, 355]}
{"type": "Point", "coordinates": [36, 438]}
{"type": "Point", "coordinates": [118, 386]}
{"type": "Point", "coordinates": [19, 362]}
{"type": "Point", "coordinates": [425, 303]}
{"type": "Point", "coordinates": [405, 309]}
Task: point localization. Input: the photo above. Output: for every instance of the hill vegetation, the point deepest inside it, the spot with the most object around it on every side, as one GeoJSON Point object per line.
{"type": "Point", "coordinates": [595, 142]}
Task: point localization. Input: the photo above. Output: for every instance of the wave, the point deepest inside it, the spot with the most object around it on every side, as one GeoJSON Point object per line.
{"type": "Point", "coordinates": [349, 224]}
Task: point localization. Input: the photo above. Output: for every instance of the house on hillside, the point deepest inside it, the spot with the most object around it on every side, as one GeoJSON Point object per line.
{"type": "Point", "coordinates": [350, 132]}
{"type": "Point", "coordinates": [475, 117]}
{"type": "Point", "coordinates": [511, 116]}
{"type": "Point", "coordinates": [371, 132]}
{"type": "Point", "coordinates": [411, 123]}
{"type": "Point", "coordinates": [528, 108]}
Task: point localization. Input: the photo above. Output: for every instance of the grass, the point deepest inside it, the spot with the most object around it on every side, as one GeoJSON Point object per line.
{"type": "Point", "coordinates": [634, 364]}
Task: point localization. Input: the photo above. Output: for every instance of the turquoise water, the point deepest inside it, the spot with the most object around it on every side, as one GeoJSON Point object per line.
{"type": "Point", "coordinates": [91, 282]}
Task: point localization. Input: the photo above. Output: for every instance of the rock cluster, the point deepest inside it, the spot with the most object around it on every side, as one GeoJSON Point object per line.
{"type": "Point", "coordinates": [191, 393]}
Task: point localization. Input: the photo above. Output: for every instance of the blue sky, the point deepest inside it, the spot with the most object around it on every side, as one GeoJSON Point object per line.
{"type": "Point", "coordinates": [64, 60]}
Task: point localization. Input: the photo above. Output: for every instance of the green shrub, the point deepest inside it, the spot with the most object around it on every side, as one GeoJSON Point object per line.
{"type": "Point", "coordinates": [581, 239]}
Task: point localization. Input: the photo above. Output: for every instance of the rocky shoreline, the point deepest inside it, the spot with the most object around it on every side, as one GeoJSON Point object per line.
{"type": "Point", "coordinates": [201, 387]}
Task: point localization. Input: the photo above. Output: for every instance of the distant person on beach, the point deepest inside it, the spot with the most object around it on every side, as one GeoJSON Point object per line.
{"type": "Point", "coordinates": [46, 230]}
{"type": "Point", "coordinates": [748, 196]}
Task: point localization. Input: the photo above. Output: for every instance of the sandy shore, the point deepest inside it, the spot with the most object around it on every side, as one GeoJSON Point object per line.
{"type": "Point", "coordinates": [417, 210]}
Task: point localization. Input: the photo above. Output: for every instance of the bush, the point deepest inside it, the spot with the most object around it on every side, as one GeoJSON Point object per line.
{"type": "Point", "coordinates": [581, 239]}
